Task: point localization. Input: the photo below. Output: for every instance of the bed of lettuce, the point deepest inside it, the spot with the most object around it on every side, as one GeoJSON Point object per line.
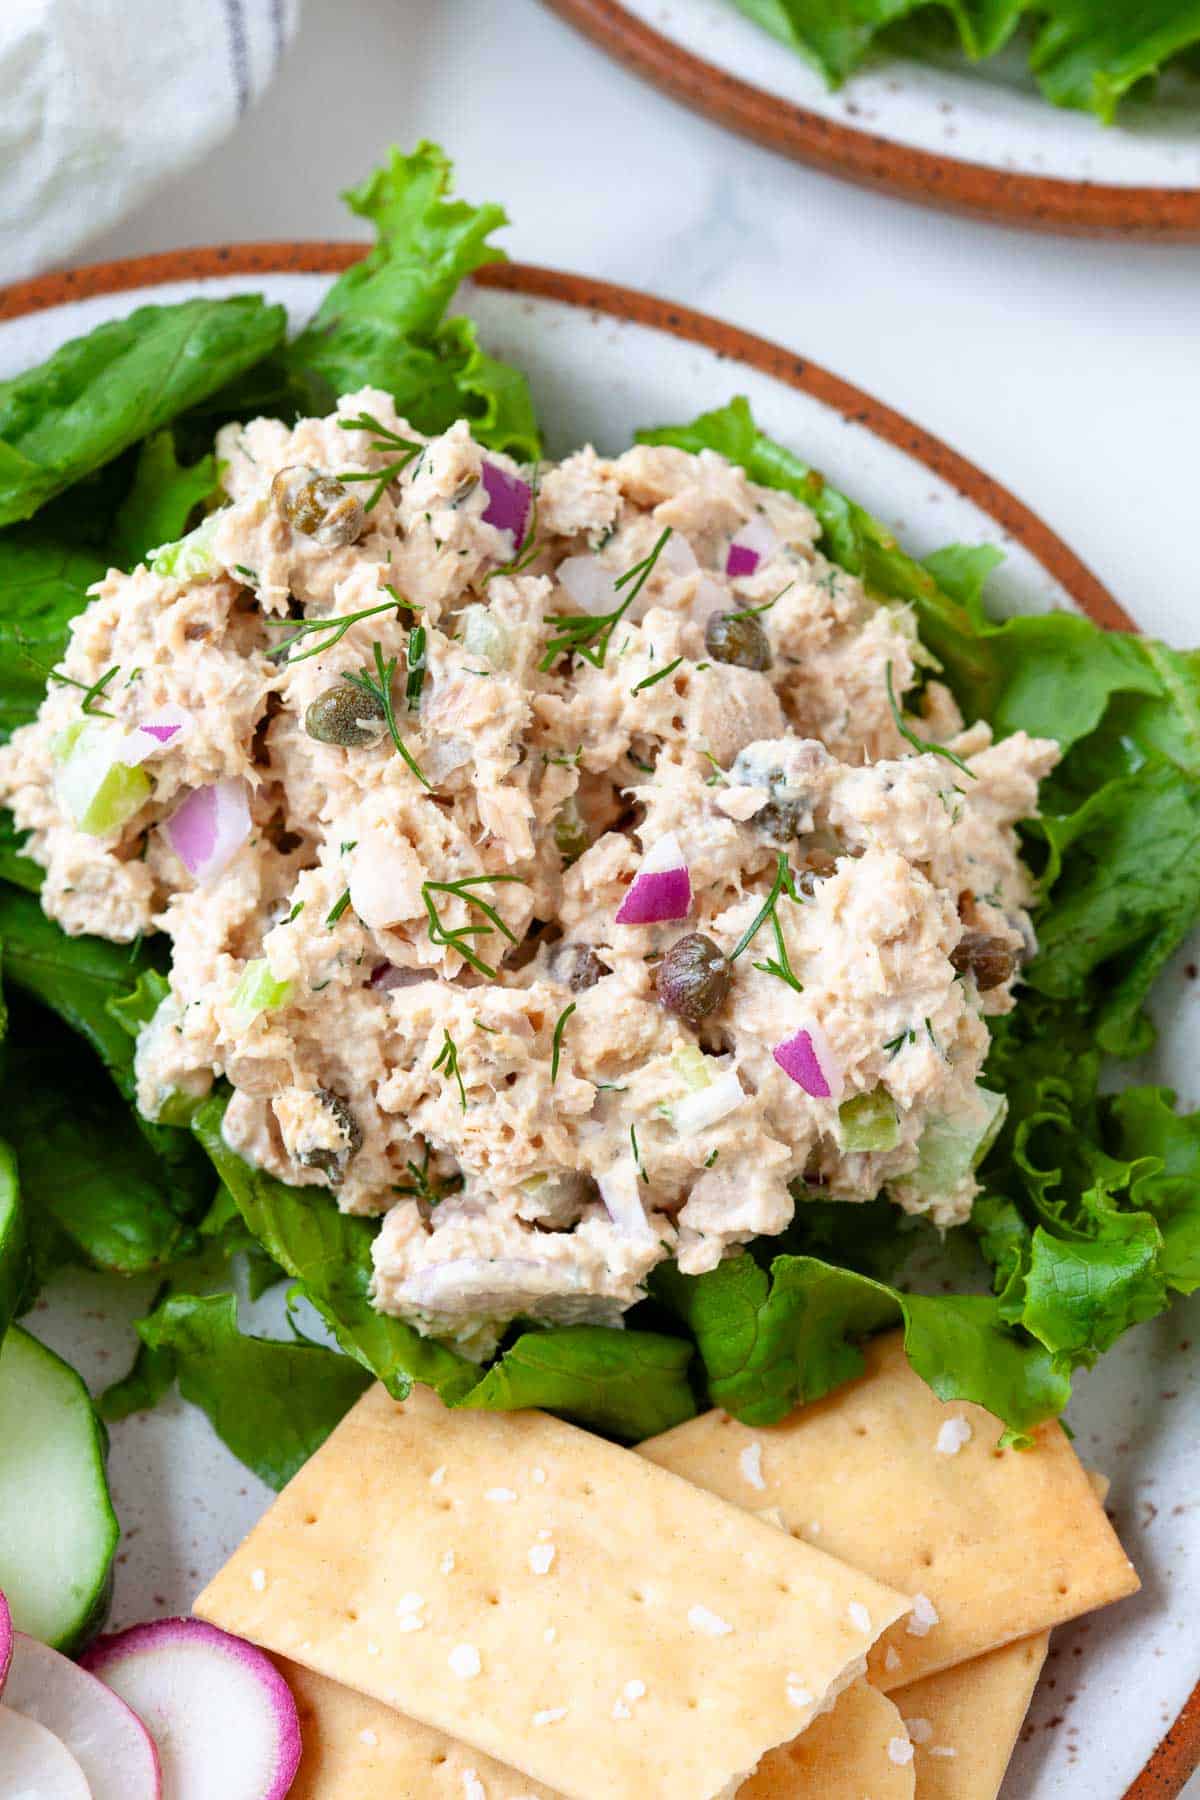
{"type": "Point", "coordinates": [1085, 54]}
{"type": "Point", "coordinates": [1090, 1216]}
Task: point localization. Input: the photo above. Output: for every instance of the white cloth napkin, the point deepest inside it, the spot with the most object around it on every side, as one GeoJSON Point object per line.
{"type": "Point", "coordinates": [102, 100]}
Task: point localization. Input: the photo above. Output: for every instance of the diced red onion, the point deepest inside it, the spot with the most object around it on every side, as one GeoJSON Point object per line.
{"type": "Point", "coordinates": [150, 737]}
{"type": "Point", "coordinates": [589, 584]}
{"type": "Point", "coordinates": [754, 543]}
{"type": "Point", "coordinates": [386, 976]}
{"type": "Point", "coordinates": [808, 1058]}
{"type": "Point", "coordinates": [209, 828]}
{"type": "Point", "coordinates": [509, 500]}
{"type": "Point", "coordinates": [662, 887]}
{"type": "Point", "coordinates": [677, 555]}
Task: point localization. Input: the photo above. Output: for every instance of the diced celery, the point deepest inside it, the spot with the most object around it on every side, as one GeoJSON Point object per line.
{"type": "Point", "coordinates": [869, 1121]}
{"type": "Point", "coordinates": [952, 1146]}
{"type": "Point", "coordinates": [483, 635]}
{"type": "Point", "coordinates": [99, 791]}
{"type": "Point", "coordinates": [692, 1067]}
{"type": "Point", "coordinates": [258, 990]}
{"type": "Point", "coordinates": [188, 557]}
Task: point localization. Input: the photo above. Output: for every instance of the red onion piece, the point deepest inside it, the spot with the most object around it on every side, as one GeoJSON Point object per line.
{"type": "Point", "coordinates": [662, 887]}
{"type": "Point", "coordinates": [166, 725]}
{"type": "Point", "coordinates": [589, 584]}
{"type": "Point", "coordinates": [386, 976]}
{"type": "Point", "coordinates": [808, 1058]}
{"type": "Point", "coordinates": [754, 543]}
{"type": "Point", "coordinates": [209, 828]}
{"type": "Point", "coordinates": [509, 501]}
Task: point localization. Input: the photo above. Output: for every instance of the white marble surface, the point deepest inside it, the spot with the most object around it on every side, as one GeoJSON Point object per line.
{"type": "Point", "coordinates": [1068, 370]}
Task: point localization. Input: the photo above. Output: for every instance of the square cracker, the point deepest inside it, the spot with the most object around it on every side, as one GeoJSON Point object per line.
{"type": "Point", "coordinates": [993, 1544]}
{"type": "Point", "coordinates": [406, 1560]}
{"type": "Point", "coordinates": [357, 1749]}
{"type": "Point", "coordinates": [964, 1722]}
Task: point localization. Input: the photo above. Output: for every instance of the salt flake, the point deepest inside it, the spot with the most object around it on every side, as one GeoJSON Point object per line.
{"type": "Point", "coordinates": [953, 1434]}
{"type": "Point", "coordinates": [923, 1618]}
{"type": "Point", "coordinates": [900, 1750]}
{"type": "Point", "coordinates": [464, 1661]}
{"type": "Point", "coordinates": [258, 1580]}
{"type": "Point", "coordinates": [701, 1619]}
{"type": "Point", "coordinates": [860, 1618]}
{"type": "Point", "coordinates": [447, 1563]}
{"type": "Point", "coordinates": [473, 1788]}
{"type": "Point", "coordinates": [550, 1716]}
{"type": "Point", "coordinates": [750, 1463]}
{"type": "Point", "coordinates": [500, 1496]}
{"type": "Point", "coordinates": [891, 1659]}
{"type": "Point", "coordinates": [438, 1476]}
{"type": "Point", "coordinates": [369, 1738]}
{"type": "Point", "coordinates": [919, 1730]}
{"type": "Point", "coordinates": [540, 1558]}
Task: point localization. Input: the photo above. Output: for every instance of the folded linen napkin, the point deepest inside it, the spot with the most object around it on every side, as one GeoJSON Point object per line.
{"type": "Point", "coordinates": [102, 100]}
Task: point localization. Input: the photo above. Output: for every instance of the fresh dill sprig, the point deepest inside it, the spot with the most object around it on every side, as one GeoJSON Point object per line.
{"type": "Point", "coordinates": [337, 909]}
{"type": "Point", "coordinates": [590, 637]}
{"type": "Point", "coordinates": [384, 442]}
{"type": "Point", "coordinates": [920, 743]}
{"type": "Point", "coordinates": [556, 1050]}
{"type": "Point", "coordinates": [653, 680]}
{"type": "Point", "coordinates": [455, 939]}
{"type": "Point", "coordinates": [780, 966]}
{"type": "Point", "coordinates": [753, 612]}
{"type": "Point", "coordinates": [90, 694]}
{"type": "Point", "coordinates": [896, 1044]}
{"type": "Point", "coordinates": [447, 1060]}
{"type": "Point", "coordinates": [379, 687]}
{"type": "Point", "coordinates": [638, 1164]}
{"type": "Point", "coordinates": [335, 628]}
{"type": "Point", "coordinates": [425, 1186]}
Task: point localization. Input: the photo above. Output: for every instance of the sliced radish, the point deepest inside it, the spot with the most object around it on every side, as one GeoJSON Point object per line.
{"type": "Point", "coordinates": [808, 1058]}
{"type": "Point", "coordinates": [220, 1712]}
{"type": "Point", "coordinates": [34, 1764]}
{"type": "Point", "coordinates": [209, 828]}
{"type": "Point", "coordinates": [107, 1739]}
{"type": "Point", "coordinates": [6, 1640]}
{"type": "Point", "coordinates": [509, 501]}
{"type": "Point", "coordinates": [662, 887]}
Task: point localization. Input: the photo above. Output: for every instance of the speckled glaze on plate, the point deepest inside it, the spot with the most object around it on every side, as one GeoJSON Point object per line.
{"type": "Point", "coordinates": [980, 141]}
{"type": "Point", "coordinates": [1115, 1714]}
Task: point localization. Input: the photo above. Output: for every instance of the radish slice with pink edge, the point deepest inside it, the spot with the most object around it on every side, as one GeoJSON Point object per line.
{"type": "Point", "coordinates": [662, 887]}
{"type": "Point", "coordinates": [220, 1712]}
{"type": "Point", "coordinates": [106, 1738]}
{"type": "Point", "coordinates": [6, 1640]}
{"type": "Point", "coordinates": [207, 830]}
{"type": "Point", "coordinates": [34, 1764]}
{"type": "Point", "coordinates": [808, 1058]}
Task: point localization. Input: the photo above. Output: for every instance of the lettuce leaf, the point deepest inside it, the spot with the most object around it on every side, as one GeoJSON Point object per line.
{"type": "Point", "coordinates": [43, 584]}
{"type": "Point", "coordinates": [101, 393]}
{"type": "Point", "coordinates": [14, 1255]}
{"type": "Point", "coordinates": [773, 1340]}
{"type": "Point", "coordinates": [625, 1384]}
{"type": "Point", "coordinates": [161, 500]}
{"type": "Point", "coordinates": [1086, 54]}
{"type": "Point", "coordinates": [272, 1403]}
{"type": "Point", "coordinates": [382, 323]}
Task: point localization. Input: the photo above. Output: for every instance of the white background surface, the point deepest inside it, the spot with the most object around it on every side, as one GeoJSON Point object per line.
{"type": "Point", "coordinates": [1068, 370]}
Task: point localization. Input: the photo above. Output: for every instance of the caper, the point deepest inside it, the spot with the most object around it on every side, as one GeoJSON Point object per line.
{"type": "Point", "coordinates": [586, 970]}
{"type": "Point", "coordinates": [334, 1162]}
{"type": "Point", "coordinates": [783, 819]}
{"type": "Point", "coordinates": [693, 978]}
{"type": "Point", "coordinates": [345, 715]}
{"type": "Point", "coordinates": [571, 835]}
{"type": "Point", "coordinates": [818, 865]}
{"type": "Point", "coordinates": [318, 505]}
{"type": "Point", "coordinates": [738, 638]}
{"type": "Point", "coordinates": [989, 959]}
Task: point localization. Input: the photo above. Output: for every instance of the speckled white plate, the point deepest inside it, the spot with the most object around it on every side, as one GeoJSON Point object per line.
{"type": "Point", "coordinates": [603, 361]}
{"type": "Point", "coordinates": [978, 139]}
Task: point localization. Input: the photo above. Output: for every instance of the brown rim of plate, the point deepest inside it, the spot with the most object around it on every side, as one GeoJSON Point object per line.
{"type": "Point", "coordinates": [1178, 1754]}
{"type": "Point", "coordinates": [1037, 203]}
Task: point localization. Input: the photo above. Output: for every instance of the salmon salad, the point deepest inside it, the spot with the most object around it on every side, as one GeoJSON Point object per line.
{"type": "Point", "coordinates": [549, 861]}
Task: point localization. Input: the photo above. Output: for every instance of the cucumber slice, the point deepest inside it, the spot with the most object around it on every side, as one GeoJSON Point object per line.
{"type": "Point", "coordinates": [58, 1530]}
{"type": "Point", "coordinates": [12, 1239]}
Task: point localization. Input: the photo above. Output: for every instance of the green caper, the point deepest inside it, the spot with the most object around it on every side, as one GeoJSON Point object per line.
{"type": "Point", "coordinates": [738, 638]}
{"type": "Point", "coordinates": [345, 715]}
{"type": "Point", "coordinates": [571, 835]}
{"type": "Point", "coordinates": [333, 1162]}
{"type": "Point", "coordinates": [783, 819]}
{"type": "Point", "coordinates": [693, 978]}
{"type": "Point", "coordinates": [318, 505]}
